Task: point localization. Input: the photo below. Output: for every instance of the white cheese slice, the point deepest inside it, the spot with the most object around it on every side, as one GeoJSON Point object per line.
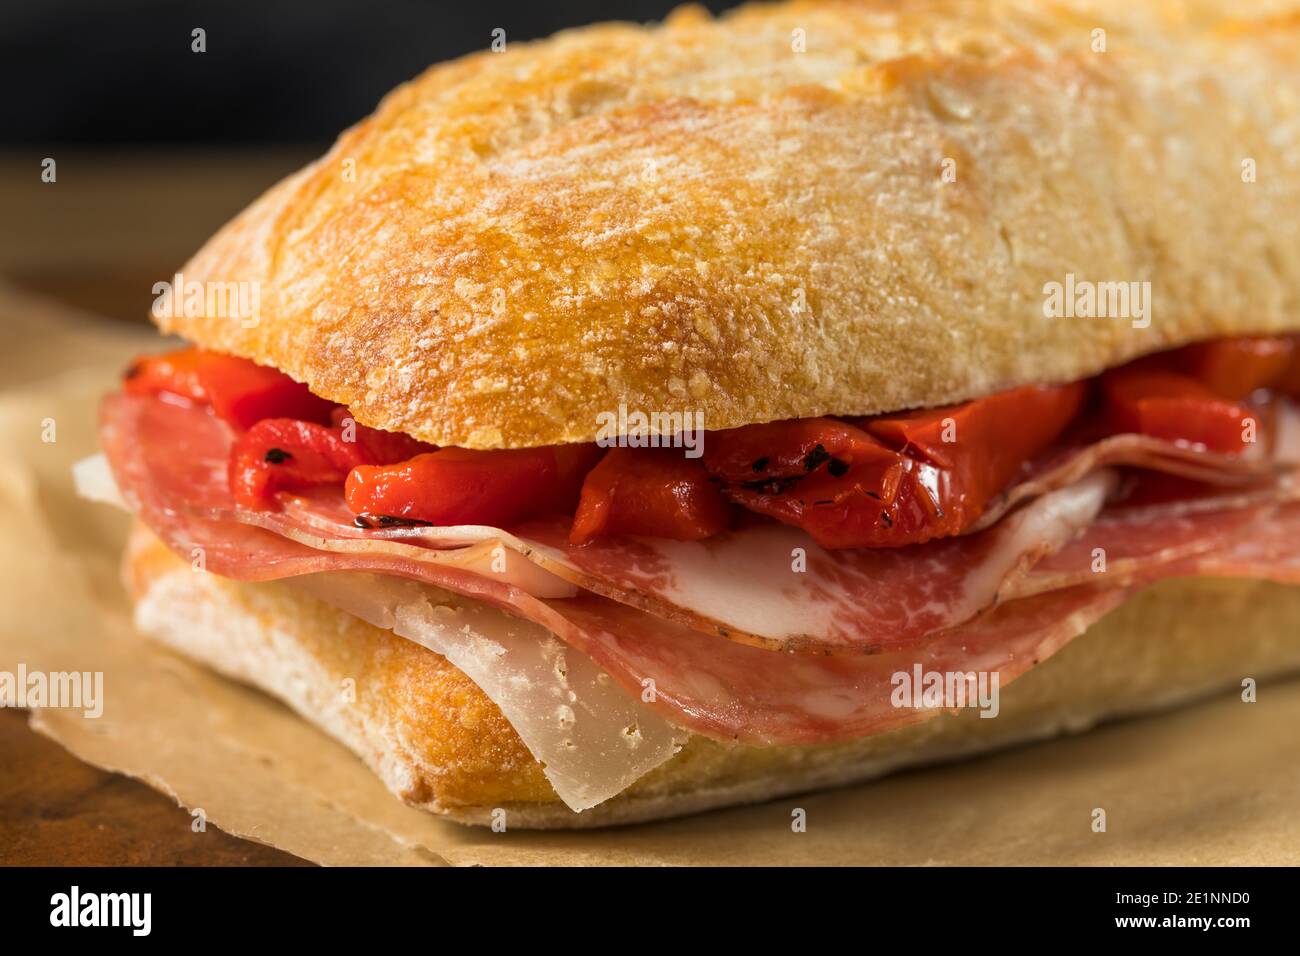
{"type": "Point", "coordinates": [94, 481]}
{"type": "Point", "coordinates": [592, 737]}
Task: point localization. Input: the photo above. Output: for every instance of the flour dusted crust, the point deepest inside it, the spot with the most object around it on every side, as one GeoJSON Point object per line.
{"type": "Point", "coordinates": [698, 216]}
{"type": "Point", "coordinates": [439, 743]}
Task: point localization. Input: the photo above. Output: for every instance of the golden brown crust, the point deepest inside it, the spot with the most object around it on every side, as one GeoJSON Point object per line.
{"type": "Point", "coordinates": [420, 722]}
{"type": "Point", "coordinates": [438, 742]}
{"type": "Point", "coordinates": [696, 216]}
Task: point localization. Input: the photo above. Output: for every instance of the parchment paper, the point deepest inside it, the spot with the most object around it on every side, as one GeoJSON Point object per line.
{"type": "Point", "coordinates": [1218, 783]}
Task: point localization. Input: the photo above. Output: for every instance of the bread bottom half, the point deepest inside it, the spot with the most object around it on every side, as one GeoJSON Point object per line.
{"type": "Point", "coordinates": [439, 743]}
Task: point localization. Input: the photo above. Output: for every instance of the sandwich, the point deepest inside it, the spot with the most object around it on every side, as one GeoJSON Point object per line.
{"type": "Point", "coordinates": [660, 418]}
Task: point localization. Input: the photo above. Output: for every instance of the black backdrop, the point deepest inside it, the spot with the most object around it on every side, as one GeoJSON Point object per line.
{"type": "Point", "coordinates": [118, 72]}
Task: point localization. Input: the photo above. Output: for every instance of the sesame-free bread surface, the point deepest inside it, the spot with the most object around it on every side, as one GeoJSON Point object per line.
{"type": "Point", "coordinates": [795, 209]}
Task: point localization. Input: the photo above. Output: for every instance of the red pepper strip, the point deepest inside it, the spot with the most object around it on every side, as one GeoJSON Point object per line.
{"type": "Point", "coordinates": [285, 454]}
{"type": "Point", "coordinates": [240, 392]}
{"type": "Point", "coordinates": [462, 486]}
{"type": "Point", "coordinates": [849, 490]}
{"type": "Point", "coordinates": [649, 491]}
{"type": "Point", "coordinates": [896, 480]}
{"type": "Point", "coordinates": [986, 440]}
{"type": "Point", "coordinates": [1288, 380]}
{"type": "Point", "coordinates": [779, 451]}
{"type": "Point", "coordinates": [1148, 400]}
{"type": "Point", "coordinates": [382, 447]}
{"type": "Point", "coordinates": [1234, 368]}
{"type": "Point", "coordinates": [173, 373]}
{"type": "Point", "coordinates": [243, 393]}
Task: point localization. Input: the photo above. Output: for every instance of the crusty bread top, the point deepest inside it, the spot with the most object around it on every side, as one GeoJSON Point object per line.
{"type": "Point", "coordinates": [699, 216]}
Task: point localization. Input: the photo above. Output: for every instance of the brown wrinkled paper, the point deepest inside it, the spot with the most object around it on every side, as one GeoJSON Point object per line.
{"type": "Point", "coordinates": [1218, 783]}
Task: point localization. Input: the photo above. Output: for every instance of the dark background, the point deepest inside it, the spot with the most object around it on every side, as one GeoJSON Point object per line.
{"type": "Point", "coordinates": [157, 146]}
{"type": "Point", "coordinates": [121, 72]}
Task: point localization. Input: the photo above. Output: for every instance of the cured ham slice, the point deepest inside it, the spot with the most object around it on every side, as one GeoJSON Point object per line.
{"type": "Point", "coordinates": [732, 692]}
{"type": "Point", "coordinates": [767, 585]}
{"type": "Point", "coordinates": [1067, 466]}
{"type": "Point", "coordinates": [711, 686]}
{"type": "Point", "coordinates": [771, 586]}
{"type": "Point", "coordinates": [1123, 545]}
{"type": "Point", "coordinates": [697, 682]}
{"type": "Point", "coordinates": [1262, 542]}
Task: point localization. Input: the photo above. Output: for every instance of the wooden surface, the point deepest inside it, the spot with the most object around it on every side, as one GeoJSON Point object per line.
{"type": "Point", "coordinates": [56, 810]}
{"type": "Point", "coordinates": [110, 226]}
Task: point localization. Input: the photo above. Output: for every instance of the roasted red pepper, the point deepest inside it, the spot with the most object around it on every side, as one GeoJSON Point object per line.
{"type": "Point", "coordinates": [784, 451]}
{"type": "Point", "coordinates": [171, 373]}
{"type": "Point", "coordinates": [239, 391]}
{"type": "Point", "coordinates": [1288, 380]}
{"type": "Point", "coordinates": [286, 454]}
{"type": "Point", "coordinates": [462, 486]}
{"type": "Point", "coordinates": [244, 393]}
{"type": "Point", "coordinates": [381, 446]}
{"type": "Point", "coordinates": [1148, 399]}
{"type": "Point", "coordinates": [1234, 368]}
{"type": "Point", "coordinates": [649, 491]}
{"type": "Point", "coordinates": [986, 441]}
{"type": "Point", "coordinates": [883, 481]}
{"type": "Point", "coordinates": [891, 480]}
